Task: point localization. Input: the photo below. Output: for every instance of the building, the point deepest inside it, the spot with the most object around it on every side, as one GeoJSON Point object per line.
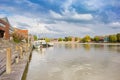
{"type": "Point", "coordinates": [106, 38]}
{"type": "Point", "coordinates": [4, 28]}
{"type": "Point", "coordinates": [21, 32]}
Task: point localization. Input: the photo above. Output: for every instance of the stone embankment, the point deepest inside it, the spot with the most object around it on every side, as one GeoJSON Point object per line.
{"type": "Point", "coordinates": [13, 59]}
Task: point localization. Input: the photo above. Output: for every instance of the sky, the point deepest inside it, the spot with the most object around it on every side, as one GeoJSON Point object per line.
{"type": "Point", "coordinates": [60, 18]}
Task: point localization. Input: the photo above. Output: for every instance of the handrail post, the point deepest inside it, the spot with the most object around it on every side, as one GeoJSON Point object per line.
{"type": "Point", "coordinates": [8, 61]}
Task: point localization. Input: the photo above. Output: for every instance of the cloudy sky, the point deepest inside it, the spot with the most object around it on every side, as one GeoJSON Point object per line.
{"type": "Point", "coordinates": [59, 18]}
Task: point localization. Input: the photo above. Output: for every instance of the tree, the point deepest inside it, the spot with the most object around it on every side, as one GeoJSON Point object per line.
{"type": "Point", "coordinates": [86, 38]}
{"type": "Point", "coordinates": [112, 38]}
{"type": "Point", "coordinates": [47, 40]}
{"type": "Point", "coordinates": [17, 37]}
{"type": "Point", "coordinates": [80, 39]}
{"type": "Point", "coordinates": [63, 39]}
{"type": "Point", "coordinates": [60, 39]}
{"type": "Point", "coordinates": [118, 37]}
{"type": "Point", "coordinates": [96, 38]}
{"type": "Point", "coordinates": [35, 37]}
{"type": "Point", "coordinates": [76, 38]}
{"type": "Point", "coordinates": [69, 38]}
{"type": "Point", "coordinates": [66, 39]}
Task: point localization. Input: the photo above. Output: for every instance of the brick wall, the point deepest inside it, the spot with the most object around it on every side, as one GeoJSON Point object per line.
{"type": "Point", "coordinates": [5, 29]}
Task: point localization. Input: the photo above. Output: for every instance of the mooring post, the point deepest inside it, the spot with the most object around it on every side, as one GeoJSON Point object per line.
{"type": "Point", "coordinates": [16, 47]}
{"type": "Point", "coordinates": [26, 48]}
{"type": "Point", "coordinates": [8, 61]}
{"type": "Point", "coordinates": [21, 52]}
{"type": "Point", "coordinates": [16, 59]}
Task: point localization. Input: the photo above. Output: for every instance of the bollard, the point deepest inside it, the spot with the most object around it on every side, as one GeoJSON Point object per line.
{"type": "Point", "coordinates": [21, 53]}
{"type": "Point", "coordinates": [16, 47]}
{"type": "Point", "coordinates": [16, 59]}
{"type": "Point", "coordinates": [8, 61]}
{"type": "Point", "coordinates": [26, 48]}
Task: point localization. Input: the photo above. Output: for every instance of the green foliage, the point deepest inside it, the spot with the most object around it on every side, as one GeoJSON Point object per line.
{"type": "Point", "coordinates": [16, 40]}
{"type": "Point", "coordinates": [17, 37]}
{"type": "Point", "coordinates": [112, 38]}
{"type": "Point", "coordinates": [68, 38]}
{"type": "Point", "coordinates": [118, 37]}
{"type": "Point", "coordinates": [35, 37]}
{"type": "Point", "coordinates": [60, 39]}
{"type": "Point", "coordinates": [76, 38]}
{"type": "Point", "coordinates": [80, 39]}
{"type": "Point", "coordinates": [47, 39]}
{"type": "Point", "coordinates": [97, 38]}
{"type": "Point", "coordinates": [64, 39]}
{"type": "Point", "coordinates": [86, 38]}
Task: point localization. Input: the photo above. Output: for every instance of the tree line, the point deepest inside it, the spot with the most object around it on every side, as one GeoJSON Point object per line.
{"type": "Point", "coordinates": [109, 38]}
{"type": "Point", "coordinates": [113, 38]}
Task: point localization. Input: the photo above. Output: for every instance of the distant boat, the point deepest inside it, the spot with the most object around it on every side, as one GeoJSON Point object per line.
{"type": "Point", "coordinates": [39, 44]}
{"type": "Point", "coordinates": [42, 44]}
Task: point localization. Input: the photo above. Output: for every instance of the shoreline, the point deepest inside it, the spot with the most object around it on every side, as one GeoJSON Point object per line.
{"type": "Point", "coordinates": [86, 43]}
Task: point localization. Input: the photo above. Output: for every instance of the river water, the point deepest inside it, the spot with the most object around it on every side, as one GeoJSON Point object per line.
{"type": "Point", "coordinates": [75, 62]}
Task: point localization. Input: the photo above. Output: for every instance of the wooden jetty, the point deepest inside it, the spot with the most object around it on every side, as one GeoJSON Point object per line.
{"type": "Point", "coordinates": [13, 61]}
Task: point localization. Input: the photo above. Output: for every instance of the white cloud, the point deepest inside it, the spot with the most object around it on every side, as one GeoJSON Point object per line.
{"type": "Point", "coordinates": [71, 15]}
{"type": "Point", "coordinates": [16, 19]}
{"type": "Point", "coordinates": [82, 16]}
{"type": "Point", "coordinates": [71, 28]}
{"type": "Point", "coordinates": [40, 29]}
{"type": "Point", "coordinates": [32, 24]}
{"type": "Point", "coordinates": [115, 24]}
{"type": "Point", "coordinates": [28, 3]}
{"type": "Point", "coordinates": [67, 5]}
{"type": "Point", "coordinates": [94, 4]}
{"type": "Point", "coordinates": [55, 15]}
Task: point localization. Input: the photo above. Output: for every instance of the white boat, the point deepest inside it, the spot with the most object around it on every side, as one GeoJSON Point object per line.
{"type": "Point", "coordinates": [39, 44]}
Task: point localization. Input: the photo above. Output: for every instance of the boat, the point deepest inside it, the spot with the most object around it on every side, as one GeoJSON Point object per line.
{"type": "Point", "coordinates": [39, 44]}
{"type": "Point", "coordinates": [42, 44]}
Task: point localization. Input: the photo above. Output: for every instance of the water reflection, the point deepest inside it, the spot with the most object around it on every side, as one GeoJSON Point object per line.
{"type": "Point", "coordinates": [71, 46]}
{"type": "Point", "coordinates": [72, 62]}
{"type": "Point", "coordinates": [86, 46]}
{"type": "Point", "coordinates": [114, 47]}
{"type": "Point", "coordinates": [99, 46]}
{"type": "Point", "coordinates": [42, 50]}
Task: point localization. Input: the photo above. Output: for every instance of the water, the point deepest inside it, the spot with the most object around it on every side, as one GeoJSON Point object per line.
{"type": "Point", "coordinates": [75, 62]}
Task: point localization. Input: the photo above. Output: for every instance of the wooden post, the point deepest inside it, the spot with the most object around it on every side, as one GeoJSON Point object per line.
{"type": "Point", "coordinates": [26, 48]}
{"type": "Point", "coordinates": [16, 47]}
{"type": "Point", "coordinates": [21, 52]}
{"type": "Point", "coordinates": [8, 61]}
{"type": "Point", "coordinates": [16, 59]}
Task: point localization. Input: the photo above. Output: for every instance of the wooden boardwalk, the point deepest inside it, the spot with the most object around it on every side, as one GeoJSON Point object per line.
{"type": "Point", "coordinates": [17, 69]}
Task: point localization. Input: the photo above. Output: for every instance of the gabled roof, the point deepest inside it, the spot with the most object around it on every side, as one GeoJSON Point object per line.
{"type": "Point", "coordinates": [6, 20]}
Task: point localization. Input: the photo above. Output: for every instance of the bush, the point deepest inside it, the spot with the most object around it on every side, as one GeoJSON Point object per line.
{"type": "Point", "coordinates": [17, 37]}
